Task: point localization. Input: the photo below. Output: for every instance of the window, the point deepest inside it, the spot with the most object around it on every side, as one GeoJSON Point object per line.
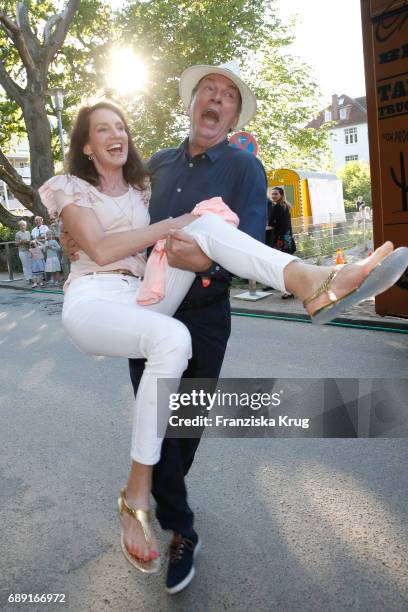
{"type": "Point", "coordinates": [350, 135]}
{"type": "Point", "coordinates": [350, 158]}
{"type": "Point", "coordinates": [343, 113]}
{"type": "Point", "coordinates": [327, 115]}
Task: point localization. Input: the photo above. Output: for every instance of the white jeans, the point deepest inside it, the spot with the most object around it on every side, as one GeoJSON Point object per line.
{"type": "Point", "coordinates": [26, 263]}
{"type": "Point", "coordinates": [102, 317]}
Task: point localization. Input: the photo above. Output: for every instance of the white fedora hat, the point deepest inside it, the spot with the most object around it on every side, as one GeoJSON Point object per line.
{"type": "Point", "coordinates": [191, 76]}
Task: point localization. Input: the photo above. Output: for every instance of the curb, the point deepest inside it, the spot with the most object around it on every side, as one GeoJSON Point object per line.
{"type": "Point", "coordinates": [28, 289]}
{"type": "Point", "coordinates": [340, 321]}
{"type": "Point", "coordinates": [346, 321]}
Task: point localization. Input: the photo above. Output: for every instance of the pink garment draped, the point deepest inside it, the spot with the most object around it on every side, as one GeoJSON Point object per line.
{"type": "Point", "coordinates": [152, 287]}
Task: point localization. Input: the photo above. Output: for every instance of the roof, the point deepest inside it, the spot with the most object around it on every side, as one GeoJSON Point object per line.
{"type": "Point", "coordinates": [304, 174]}
{"type": "Point", "coordinates": [362, 100]}
{"type": "Point", "coordinates": [328, 176]}
{"type": "Point", "coordinates": [356, 109]}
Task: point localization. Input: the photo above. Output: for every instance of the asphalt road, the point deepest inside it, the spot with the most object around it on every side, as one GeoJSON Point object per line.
{"type": "Point", "coordinates": [287, 525]}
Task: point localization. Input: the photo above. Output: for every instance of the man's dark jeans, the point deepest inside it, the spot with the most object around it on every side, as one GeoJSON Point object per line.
{"type": "Point", "coordinates": [210, 328]}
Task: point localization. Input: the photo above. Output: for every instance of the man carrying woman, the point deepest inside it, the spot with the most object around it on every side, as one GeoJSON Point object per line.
{"type": "Point", "coordinates": [103, 205]}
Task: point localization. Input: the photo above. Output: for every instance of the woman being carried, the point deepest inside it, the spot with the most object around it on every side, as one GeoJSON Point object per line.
{"type": "Point", "coordinates": [103, 204]}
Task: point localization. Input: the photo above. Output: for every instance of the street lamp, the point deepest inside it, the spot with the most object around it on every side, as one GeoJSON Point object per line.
{"type": "Point", "coordinates": [57, 94]}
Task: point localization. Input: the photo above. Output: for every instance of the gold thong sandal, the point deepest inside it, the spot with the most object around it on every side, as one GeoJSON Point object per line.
{"type": "Point", "coordinates": [144, 518]}
{"type": "Point", "coordinates": [382, 277]}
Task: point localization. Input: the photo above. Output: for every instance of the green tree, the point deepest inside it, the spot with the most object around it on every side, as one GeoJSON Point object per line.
{"type": "Point", "coordinates": [43, 47]}
{"type": "Point", "coordinates": [287, 101]}
{"type": "Point", "coordinates": [356, 182]}
{"type": "Point", "coordinates": [210, 32]}
{"type": "Point", "coordinates": [37, 54]}
{"type": "Point", "coordinates": [170, 37]}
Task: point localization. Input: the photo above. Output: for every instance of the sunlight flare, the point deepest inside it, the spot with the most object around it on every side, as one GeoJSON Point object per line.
{"type": "Point", "coordinates": [127, 72]}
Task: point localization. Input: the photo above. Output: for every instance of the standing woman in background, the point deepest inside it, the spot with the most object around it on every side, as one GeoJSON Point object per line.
{"type": "Point", "coordinates": [281, 236]}
{"type": "Point", "coordinates": [23, 240]}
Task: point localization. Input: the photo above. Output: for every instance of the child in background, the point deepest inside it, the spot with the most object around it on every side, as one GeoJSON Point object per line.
{"type": "Point", "coordinates": [37, 263]}
{"type": "Point", "coordinates": [52, 263]}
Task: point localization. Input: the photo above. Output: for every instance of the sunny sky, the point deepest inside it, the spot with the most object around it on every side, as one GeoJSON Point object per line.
{"type": "Point", "coordinates": [328, 38]}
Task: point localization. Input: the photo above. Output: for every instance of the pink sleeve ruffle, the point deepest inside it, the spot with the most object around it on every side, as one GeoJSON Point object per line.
{"type": "Point", "coordinates": [61, 190]}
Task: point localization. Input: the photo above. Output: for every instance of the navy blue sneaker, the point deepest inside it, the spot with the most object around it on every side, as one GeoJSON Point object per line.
{"type": "Point", "coordinates": [182, 553]}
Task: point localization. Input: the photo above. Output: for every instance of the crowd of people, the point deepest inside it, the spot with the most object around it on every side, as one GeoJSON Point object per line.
{"type": "Point", "coordinates": [41, 255]}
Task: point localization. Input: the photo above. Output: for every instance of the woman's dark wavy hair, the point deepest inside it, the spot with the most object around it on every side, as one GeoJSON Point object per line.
{"type": "Point", "coordinates": [134, 170]}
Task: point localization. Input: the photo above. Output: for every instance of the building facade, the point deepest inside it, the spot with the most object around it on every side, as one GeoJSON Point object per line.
{"type": "Point", "coordinates": [349, 133]}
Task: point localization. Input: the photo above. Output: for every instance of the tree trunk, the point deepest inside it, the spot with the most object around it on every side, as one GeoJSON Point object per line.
{"type": "Point", "coordinates": [24, 193]}
{"type": "Point", "coordinates": [39, 138]}
{"type": "Point", "coordinates": [42, 167]}
{"type": "Point", "coordinates": [36, 57]}
{"type": "Point", "coordinates": [9, 220]}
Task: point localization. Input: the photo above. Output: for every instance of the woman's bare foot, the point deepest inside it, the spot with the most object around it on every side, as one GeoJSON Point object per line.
{"type": "Point", "coordinates": [133, 535]}
{"type": "Point", "coordinates": [303, 279]}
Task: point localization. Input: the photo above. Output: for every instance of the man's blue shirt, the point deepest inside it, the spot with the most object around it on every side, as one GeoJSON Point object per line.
{"type": "Point", "coordinates": [179, 182]}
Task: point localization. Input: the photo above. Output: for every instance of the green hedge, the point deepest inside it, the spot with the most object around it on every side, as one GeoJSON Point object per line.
{"type": "Point", "coordinates": [6, 235]}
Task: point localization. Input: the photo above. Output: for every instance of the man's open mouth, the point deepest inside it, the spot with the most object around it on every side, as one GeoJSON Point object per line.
{"type": "Point", "coordinates": [210, 115]}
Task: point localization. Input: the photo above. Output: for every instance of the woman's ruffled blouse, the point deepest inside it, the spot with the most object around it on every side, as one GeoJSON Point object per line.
{"type": "Point", "coordinates": [124, 213]}
{"type": "Point", "coordinates": [64, 189]}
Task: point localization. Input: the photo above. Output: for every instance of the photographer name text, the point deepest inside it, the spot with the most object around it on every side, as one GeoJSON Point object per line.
{"type": "Point", "coordinates": [251, 421]}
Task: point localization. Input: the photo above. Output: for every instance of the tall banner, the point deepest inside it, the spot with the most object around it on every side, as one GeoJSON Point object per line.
{"type": "Point", "coordinates": [385, 38]}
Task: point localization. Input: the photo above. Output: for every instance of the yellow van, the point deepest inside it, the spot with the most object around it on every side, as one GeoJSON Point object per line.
{"type": "Point", "coordinates": [316, 197]}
